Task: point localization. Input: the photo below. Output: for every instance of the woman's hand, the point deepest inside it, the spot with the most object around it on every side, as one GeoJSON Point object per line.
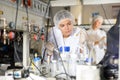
{"type": "Point", "coordinates": [96, 42]}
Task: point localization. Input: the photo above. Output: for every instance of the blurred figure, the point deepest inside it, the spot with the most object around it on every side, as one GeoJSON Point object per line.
{"type": "Point", "coordinates": [110, 61]}
{"type": "Point", "coordinates": [97, 39]}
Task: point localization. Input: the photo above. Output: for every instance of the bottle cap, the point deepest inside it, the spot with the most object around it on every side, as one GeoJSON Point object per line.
{"type": "Point", "coordinates": [66, 48]}
{"type": "Point", "coordinates": [89, 60]}
{"type": "Point", "coordinates": [61, 49]}
{"type": "Point", "coordinates": [36, 59]}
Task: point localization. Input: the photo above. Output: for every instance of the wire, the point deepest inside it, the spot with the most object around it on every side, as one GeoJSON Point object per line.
{"type": "Point", "coordinates": [17, 2]}
{"type": "Point", "coordinates": [38, 69]}
{"type": "Point", "coordinates": [31, 78]}
{"type": "Point", "coordinates": [26, 7]}
{"type": "Point", "coordinates": [64, 67]}
{"type": "Point", "coordinates": [43, 55]}
{"type": "Point", "coordinates": [15, 51]}
{"type": "Point", "coordinates": [47, 8]}
{"type": "Point", "coordinates": [61, 74]}
{"type": "Point", "coordinates": [46, 31]}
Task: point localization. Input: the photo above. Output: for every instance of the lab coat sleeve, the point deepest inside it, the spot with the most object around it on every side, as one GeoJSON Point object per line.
{"type": "Point", "coordinates": [90, 43]}
{"type": "Point", "coordinates": [55, 36]}
{"type": "Point", "coordinates": [83, 38]}
{"type": "Point", "coordinates": [103, 42]}
{"type": "Point", "coordinates": [45, 51]}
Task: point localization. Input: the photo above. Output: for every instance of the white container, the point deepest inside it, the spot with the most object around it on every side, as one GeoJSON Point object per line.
{"type": "Point", "coordinates": [37, 64]}
{"type": "Point", "coordinates": [53, 67]}
{"type": "Point", "coordinates": [72, 65]}
{"type": "Point", "coordinates": [85, 72]}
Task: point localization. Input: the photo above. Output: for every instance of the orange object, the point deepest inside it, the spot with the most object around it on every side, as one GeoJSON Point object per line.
{"type": "Point", "coordinates": [11, 35]}
{"type": "Point", "coordinates": [35, 37]}
{"type": "Point", "coordinates": [12, 0]}
{"type": "Point", "coordinates": [28, 3]}
{"type": "Point", "coordinates": [42, 37]}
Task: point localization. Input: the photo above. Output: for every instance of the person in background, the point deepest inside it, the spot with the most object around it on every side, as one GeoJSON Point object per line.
{"type": "Point", "coordinates": [96, 39]}
{"type": "Point", "coordinates": [65, 34]}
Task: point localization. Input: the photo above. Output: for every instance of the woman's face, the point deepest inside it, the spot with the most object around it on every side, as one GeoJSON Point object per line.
{"type": "Point", "coordinates": [97, 24]}
{"type": "Point", "coordinates": [66, 27]}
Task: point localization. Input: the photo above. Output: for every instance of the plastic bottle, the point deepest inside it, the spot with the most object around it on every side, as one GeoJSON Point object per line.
{"type": "Point", "coordinates": [72, 64]}
{"type": "Point", "coordinates": [91, 57]}
{"type": "Point", "coordinates": [63, 61]}
{"type": "Point", "coordinates": [64, 52]}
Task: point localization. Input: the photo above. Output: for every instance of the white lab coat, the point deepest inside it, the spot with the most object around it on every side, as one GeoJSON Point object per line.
{"type": "Point", "coordinates": [97, 35]}
{"type": "Point", "coordinates": [76, 40]}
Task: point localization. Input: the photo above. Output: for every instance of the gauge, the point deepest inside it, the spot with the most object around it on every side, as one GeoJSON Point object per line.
{"type": "Point", "coordinates": [12, 25]}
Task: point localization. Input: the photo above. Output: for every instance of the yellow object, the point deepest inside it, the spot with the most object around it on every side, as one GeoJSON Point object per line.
{"type": "Point", "coordinates": [1, 12]}
{"type": "Point", "coordinates": [33, 67]}
{"type": "Point", "coordinates": [35, 54]}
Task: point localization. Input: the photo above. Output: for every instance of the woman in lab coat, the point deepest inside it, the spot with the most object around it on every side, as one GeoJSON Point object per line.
{"type": "Point", "coordinates": [69, 41]}
{"type": "Point", "coordinates": [65, 34]}
{"type": "Point", "coordinates": [96, 39]}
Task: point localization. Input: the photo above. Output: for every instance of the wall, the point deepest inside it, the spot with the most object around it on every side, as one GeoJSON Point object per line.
{"type": "Point", "coordinates": [53, 11]}
{"type": "Point", "coordinates": [77, 12]}
{"type": "Point", "coordinates": [10, 13]}
{"type": "Point", "coordinates": [89, 9]}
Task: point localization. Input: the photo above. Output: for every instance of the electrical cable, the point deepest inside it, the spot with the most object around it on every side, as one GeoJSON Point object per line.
{"type": "Point", "coordinates": [50, 14]}
{"type": "Point", "coordinates": [31, 78]}
{"type": "Point", "coordinates": [17, 4]}
{"type": "Point", "coordinates": [43, 55]}
{"type": "Point", "coordinates": [16, 56]}
{"type": "Point", "coordinates": [38, 69]}
{"type": "Point", "coordinates": [46, 31]}
{"type": "Point", "coordinates": [15, 50]}
{"type": "Point", "coordinates": [26, 7]}
{"type": "Point", "coordinates": [47, 8]}
{"type": "Point", "coordinates": [64, 67]}
{"type": "Point", "coordinates": [66, 74]}
{"type": "Point", "coordinates": [59, 74]}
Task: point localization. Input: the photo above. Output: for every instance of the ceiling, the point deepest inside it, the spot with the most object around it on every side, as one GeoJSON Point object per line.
{"type": "Point", "coordinates": [89, 2]}
{"type": "Point", "coordinates": [79, 2]}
